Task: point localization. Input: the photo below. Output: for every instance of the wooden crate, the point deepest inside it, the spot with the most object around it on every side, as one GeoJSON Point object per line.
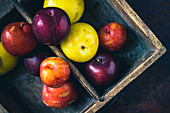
{"type": "Point", "coordinates": [140, 51]}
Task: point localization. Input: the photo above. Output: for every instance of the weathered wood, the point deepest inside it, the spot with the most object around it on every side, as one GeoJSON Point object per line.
{"type": "Point", "coordinates": [140, 51]}
{"type": "Point", "coordinates": [2, 109]}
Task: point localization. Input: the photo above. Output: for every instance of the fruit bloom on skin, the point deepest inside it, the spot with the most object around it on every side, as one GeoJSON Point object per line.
{"type": "Point", "coordinates": [74, 8]}
{"type": "Point", "coordinates": [102, 69]}
{"type": "Point", "coordinates": [32, 62]}
{"type": "Point", "coordinates": [59, 97]}
{"type": "Point", "coordinates": [51, 25]}
{"type": "Point", "coordinates": [112, 36]}
{"type": "Point", "coordinates": [7, 61]}
{"type": "Point", "coordinates": [82, 43]}
{"type": "Point", "coordinates": [54, 71]}
{"type": "Point", "coordinates": [18, 38]}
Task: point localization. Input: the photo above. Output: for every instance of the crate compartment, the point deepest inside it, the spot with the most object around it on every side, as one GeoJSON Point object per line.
{"type": "Point", "coordinates": [29, 89]}
{"type": "Point", "coordinates": [101, 13]}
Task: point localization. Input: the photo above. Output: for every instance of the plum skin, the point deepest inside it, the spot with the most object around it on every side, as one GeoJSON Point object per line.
{"type": "Point", "coordinates": [51, 25]}
{"type": "Point", "coordinates": [102, 69]}
{"type": "Point", "coordinates": [59, 97]}
{"type": "Point", "coordinates": [18, 38]}
{"type": "Point", "coordinates": [112, 36]}
{"type": "Point", "coordinates": [32, 62]}
{"type": "Point", "coordinates": [54, 71]}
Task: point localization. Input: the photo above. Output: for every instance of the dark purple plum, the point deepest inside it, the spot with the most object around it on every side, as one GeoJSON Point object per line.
{"type": "Point", "coordinates": [32, 62]}
{"type": "Point", "coordinates": [51, 25]}
{"type": "Point", "coordinates": [102, 69]}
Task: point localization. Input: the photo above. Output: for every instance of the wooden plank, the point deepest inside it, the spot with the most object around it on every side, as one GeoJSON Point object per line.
{"type": "Point", "coordinates": [2, 109]}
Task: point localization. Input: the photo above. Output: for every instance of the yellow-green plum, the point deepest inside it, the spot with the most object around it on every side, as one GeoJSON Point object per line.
{"type": "Point", "coordinates": [74, 8]}
{"type": "Point", "coordinates": [7, 61]}
{"type": "Point", "coordinates": [82, 43]}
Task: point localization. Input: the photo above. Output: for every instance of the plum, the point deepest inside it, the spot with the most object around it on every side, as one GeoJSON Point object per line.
{"type": "Point", "coordinates": [51, 25]}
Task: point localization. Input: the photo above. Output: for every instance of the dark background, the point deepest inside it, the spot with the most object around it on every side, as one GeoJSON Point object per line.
{"type": "Point", "coordinates": [150, 92]}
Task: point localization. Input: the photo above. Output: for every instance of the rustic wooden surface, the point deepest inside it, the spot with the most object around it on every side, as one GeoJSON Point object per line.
{"type": "Point", "coordinates": [2, 109]}
{"type": "Point", "coordinates": [127, 97]}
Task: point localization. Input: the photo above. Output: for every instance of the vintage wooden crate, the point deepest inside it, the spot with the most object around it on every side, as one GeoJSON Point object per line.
{"type": "Point", "coordinates": [140, 51]}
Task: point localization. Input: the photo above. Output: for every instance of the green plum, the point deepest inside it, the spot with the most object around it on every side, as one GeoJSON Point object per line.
{"type": "Point", "coordinates": [7, 61]}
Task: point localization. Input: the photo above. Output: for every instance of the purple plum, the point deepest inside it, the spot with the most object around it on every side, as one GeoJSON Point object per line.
{"type": "Point", "coordinates": [32, 62]}
{"type": "Point", "coordinates": [102, 69]}
{"type": "Point", "coordinates": [51, 25]}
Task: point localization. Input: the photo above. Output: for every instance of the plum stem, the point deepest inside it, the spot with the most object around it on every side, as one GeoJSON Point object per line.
{"type": "Point", "coordinates": [82, 47]}
{"type": "Point", "coordinates": [22, 25]}
{"type": "Point", "coordinates": [50, 13]}
{"type": "Point", "coordinates": [99, 60]}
